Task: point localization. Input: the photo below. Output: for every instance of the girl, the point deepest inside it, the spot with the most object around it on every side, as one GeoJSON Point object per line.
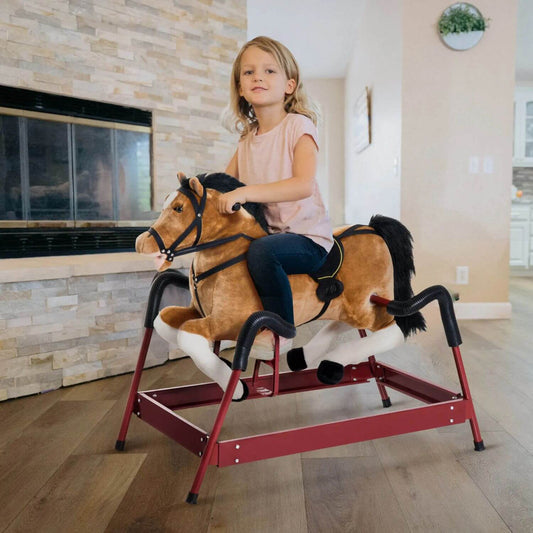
{"type": "Point", "coordinates": [276, 158]}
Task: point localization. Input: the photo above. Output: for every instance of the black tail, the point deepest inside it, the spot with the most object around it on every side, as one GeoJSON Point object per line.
{"type": "Point", "coordinates": [400, 244]}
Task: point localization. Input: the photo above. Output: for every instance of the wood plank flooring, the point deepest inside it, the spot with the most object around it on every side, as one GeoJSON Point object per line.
{"type": "Point", "coordinates": [59, 471]}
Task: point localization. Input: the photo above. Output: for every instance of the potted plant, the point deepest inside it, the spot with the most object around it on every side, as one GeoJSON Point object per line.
{"type": "Point", "coordinates": [461, 26]}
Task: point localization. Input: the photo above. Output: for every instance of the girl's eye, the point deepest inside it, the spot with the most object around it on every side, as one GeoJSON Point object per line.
{"type": "Point", "coordinates": [178, 209]}
{"type": "Point", "coordinates": [270, 71]}
{"type": "Point", "coordinates": [247, 72]}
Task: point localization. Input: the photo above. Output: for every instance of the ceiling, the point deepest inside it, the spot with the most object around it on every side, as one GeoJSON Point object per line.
{"type": "Point", "coordinates": [321, 35]}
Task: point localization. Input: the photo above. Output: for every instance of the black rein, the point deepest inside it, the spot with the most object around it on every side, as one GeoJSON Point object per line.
{"type": "Point", "coordinates": [199, 207]}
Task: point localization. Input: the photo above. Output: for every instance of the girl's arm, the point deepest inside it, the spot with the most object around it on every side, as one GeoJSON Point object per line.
{"type": "Point", "coordinates": [298, 187]}
{"type": "Point", "coordinates": [232, 168]}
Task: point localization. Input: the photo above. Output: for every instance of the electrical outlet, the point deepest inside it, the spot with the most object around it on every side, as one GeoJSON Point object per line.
{"type": "Point", "coordinates": [461, 275]}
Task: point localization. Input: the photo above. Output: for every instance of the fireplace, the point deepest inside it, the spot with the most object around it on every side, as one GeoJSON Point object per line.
{"type": "Point", "coordinates": [75, 175]}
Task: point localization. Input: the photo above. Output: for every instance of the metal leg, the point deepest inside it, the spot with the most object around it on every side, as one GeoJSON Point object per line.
{"type": "Point", "coordinates": [385, 400]}
{"type": "Point", "coordinates": [478, 441]}
{"type": "Point", "coordinates": [119, 445]}
{"type": "Point", "coordinates": [213, 437]}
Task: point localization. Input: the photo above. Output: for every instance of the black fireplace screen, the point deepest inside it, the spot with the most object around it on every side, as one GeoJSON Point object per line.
{"type": "Point", "coordinates": [60, 170]}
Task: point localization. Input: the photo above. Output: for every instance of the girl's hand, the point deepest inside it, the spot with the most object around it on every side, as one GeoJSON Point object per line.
{"type": "Point", "coordinates": [226, 201]}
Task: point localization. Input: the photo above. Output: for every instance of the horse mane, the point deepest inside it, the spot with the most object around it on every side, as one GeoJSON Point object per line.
{"type": "Point", "coordinates": [219, 181]}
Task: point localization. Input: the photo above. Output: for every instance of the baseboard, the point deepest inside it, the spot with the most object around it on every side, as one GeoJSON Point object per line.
{"type": "Point", "coordinates": [482, 310]}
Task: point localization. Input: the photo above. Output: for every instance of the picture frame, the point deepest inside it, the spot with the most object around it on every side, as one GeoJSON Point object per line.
{"type": "Point", "coordinates": [361, 124]}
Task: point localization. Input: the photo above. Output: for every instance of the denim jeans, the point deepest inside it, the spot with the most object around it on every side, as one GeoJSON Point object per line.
{"type": "Point", "coordinates": [272, 258]}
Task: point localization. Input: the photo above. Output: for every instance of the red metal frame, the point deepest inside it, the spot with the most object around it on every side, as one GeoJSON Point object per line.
{"type": "Point", "coordinates": [156, 407]}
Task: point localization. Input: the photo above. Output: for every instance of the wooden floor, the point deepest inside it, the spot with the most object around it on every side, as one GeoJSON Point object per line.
{"type": "Point", "coordinates": [59, 471]}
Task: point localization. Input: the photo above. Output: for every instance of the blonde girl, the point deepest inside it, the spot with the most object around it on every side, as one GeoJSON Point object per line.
{"type": "Point", "coordinates": [276, 159]}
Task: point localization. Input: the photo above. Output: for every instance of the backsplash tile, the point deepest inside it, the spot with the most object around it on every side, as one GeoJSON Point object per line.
{"type": "Point", "coordinates": [523, 181]}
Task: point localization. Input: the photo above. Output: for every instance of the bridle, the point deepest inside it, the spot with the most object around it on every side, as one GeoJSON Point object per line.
{"type": "Point", "coordinates": [199, 208]}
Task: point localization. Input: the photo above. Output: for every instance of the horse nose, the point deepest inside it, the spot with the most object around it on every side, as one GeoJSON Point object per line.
{"type": "Point", "coordinates": [139, 241]}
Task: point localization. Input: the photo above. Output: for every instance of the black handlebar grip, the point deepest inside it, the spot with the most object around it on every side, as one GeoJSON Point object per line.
{"type": "Point", "coordinates": [447, 313]}
{"type": "Point", "coordinates": [256, 321]}
{"type": "Point", "coordinates": [160, 281]}
{"type": "Point", "coordinates": [236, 206]}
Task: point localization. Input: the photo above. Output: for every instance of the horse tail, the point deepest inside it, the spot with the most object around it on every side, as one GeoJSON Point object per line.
{"type": "Point", "coordinates": [400, 243]}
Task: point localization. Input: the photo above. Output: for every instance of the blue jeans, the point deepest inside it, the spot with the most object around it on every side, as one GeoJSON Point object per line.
{"type": "Point", "coordinates": [272, 258]}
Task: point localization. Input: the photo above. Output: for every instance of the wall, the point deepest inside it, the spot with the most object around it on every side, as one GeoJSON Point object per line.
{"type": "Point", "coordinates": [438, 107]}
{"type": "Point", "coordinates": [456, 105]}
{"type": "Point", "coordinates": [65, 323]}
{"type": "Point", "coordinates": [173, 58]}
{"type": "Point", "coordinates": [328, 94]}
{"type": "Point", "coordinates": [70, 319]}
{"type": "Point", "coordinates": [373, 178]}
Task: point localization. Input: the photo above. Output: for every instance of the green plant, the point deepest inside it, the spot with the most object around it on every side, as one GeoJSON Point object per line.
{"type": "Point", "coordinates": [462, 18]}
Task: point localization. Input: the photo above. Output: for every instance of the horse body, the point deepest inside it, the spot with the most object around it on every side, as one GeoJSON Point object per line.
{"type": "Point", "coordinates": [224, 299]}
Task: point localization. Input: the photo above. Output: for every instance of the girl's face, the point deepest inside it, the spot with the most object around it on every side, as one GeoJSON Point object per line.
{"type": "Point", "coordinates": [262, 81]}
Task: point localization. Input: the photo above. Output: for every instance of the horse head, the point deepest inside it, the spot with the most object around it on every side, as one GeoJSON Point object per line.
{"type": "Point", "coordinates": [190, 221]}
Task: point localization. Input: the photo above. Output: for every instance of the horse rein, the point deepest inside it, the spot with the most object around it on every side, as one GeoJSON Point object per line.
{"type": "Point", "coordinates": [199, 208]}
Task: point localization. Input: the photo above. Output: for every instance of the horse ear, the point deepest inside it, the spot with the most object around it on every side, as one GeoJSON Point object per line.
{"type": "Point", "coordinates": [181, 177]}
{"type": "Point", "coordinates": [196, 186]}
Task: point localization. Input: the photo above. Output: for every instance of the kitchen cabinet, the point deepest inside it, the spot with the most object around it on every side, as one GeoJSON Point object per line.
{"type": "Point", "coordinates": [520, 246]}
{"type": "Point", "coordinates": [523, 127]}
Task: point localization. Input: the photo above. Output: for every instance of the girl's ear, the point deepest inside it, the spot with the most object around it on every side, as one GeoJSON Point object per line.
{"type": "Point", "coordinates": [196, 186]}
{"type": "Point", "coordinates": [290, 87]}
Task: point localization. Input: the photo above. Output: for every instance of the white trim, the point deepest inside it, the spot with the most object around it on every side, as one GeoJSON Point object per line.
{"type": "Point", "coordinates": [482, 310]}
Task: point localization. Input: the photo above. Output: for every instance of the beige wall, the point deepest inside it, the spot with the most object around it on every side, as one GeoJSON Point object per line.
{"type": "Point", "coordinates": [456, 105]}
{"type": "Point", "coordinates": [373, 176]}
{"type": "Point", "coordinates": [437, 107]}
{"type": "Point", "coordinates": [328, 94]}
{"type": "Point", "coordinates": [173, 58]}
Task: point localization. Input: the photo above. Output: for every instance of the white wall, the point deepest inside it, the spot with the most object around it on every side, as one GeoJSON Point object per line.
{"type": "Point", "coordinates": [456, 105]}
{"type": "Point", "coordinates": [373, 178]}
{"type": "Point", "coordinates": [328, 94]}
{"type": "Point", "coordinates": [435, 108]}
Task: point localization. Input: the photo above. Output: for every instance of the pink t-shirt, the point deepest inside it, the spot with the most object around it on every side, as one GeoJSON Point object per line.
{"type": "Point", "coordinates": [268, 158]}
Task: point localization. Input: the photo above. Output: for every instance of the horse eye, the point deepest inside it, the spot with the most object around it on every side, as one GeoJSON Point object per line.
{"type": "Point", "coordinates": [178, 209]}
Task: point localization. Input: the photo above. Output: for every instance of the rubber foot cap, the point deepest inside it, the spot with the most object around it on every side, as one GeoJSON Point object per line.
{"type": "Point", "coordinates": [329, 372]}
{"type": "Point", "coordinates": [296, 359]}
{"type": "Point", "coordinates": [192, 498]}
{"type": "Point", "coordinates": [387, 402]}
{"type": "Point", "coordinates": [119, 445]}
{"type": "Point", "coordinates": [479, 446]}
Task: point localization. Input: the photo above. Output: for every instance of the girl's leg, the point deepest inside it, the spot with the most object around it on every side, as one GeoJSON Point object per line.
{"type": "Point", "coordinates": [272, 258]}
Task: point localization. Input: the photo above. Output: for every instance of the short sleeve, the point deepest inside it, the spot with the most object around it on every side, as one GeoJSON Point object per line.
{"type": "Point", "coordinates": [303, 125]}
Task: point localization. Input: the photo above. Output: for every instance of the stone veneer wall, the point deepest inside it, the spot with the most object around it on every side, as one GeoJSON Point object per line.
{"type": "Point", "coordinates": [63, 331]}
{"type": "Point", "coordinates": [170, 56]}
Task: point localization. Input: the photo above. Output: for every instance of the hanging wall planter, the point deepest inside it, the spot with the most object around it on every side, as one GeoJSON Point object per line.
{"type": "Point", "coordinates": [461, 26]}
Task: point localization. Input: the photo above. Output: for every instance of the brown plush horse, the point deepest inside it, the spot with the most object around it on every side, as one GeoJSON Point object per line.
{"type": "Point", "coordinates": [377, 260]}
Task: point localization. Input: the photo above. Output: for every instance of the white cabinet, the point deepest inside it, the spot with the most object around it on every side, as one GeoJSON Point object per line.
{"type": "Point", "coordinates": [520, 236]}
{"type": "Point", "coordinates": [523, 127]}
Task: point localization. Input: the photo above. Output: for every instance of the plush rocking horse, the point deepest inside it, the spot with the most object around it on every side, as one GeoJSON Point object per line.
{"type": "Point", "coordinates": [364, 284]}
{"type": "Point", "coordinates": [365, 260]}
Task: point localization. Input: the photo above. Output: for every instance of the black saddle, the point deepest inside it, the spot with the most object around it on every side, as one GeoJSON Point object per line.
{"type": "Point", "coordinates": [329, 287]}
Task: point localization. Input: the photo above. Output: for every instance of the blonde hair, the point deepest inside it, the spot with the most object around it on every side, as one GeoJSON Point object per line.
{"type": "Point", "coordinates": [244, 119]}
